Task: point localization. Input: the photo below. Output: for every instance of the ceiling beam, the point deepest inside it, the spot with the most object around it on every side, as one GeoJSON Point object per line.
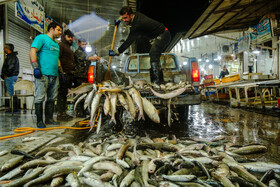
{"type": "Point", "coordinates": [228, 38]}
{"type": "Point", "coordinates": [233, 9]}
{"type": "Point", "coordinates": [208, 28]}
{"type": "Point", "coordinates": [201, 20]}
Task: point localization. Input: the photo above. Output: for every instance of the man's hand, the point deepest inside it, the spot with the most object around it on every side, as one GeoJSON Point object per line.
{"type": "Point", "coordinates": [94, 58]}
{"type": "Point", "coordinates": [117, 22]}
{"type": "Point", "coordinates": [113, 53]}
{"type": "Point", "coordinates": [37, 73]}
{"type": "Point", "coordinates": [62, 76]}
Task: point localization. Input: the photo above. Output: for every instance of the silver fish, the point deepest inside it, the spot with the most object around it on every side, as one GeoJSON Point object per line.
{"type": "Point", "coordinates": [79, 100]}
{"type": "Point", "coordinates": [94, 106]}
{"type": "Point", "coordinates": [88, 99]}
{"type": "Point", "coordinates": [107, 105]}
{"type": "Point", "coordinates": [131, 106]}
{"type": "Point", "coordinates": [11, 163]}
{"type": "Point", "coordinates": [151, 110]}
{"type": "Point", "coordinates": [138, 100]}
{"type": "Point", "coordinates": [86, 87]}
{"type": "Point", "coordinates": [169, 95]}
{"type": "Point", "coordinates": [99, 123]}
{"type": "Point", "coordinates": [113, 100]}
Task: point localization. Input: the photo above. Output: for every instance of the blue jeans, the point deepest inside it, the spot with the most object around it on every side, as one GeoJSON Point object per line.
{"type": "Point", "coordinates": [9, 82]}
{"type": "Point", "coordinates": [47, 84]}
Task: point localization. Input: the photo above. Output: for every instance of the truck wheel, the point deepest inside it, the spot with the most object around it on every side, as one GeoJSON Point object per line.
{"type": "Point", "coordinates": [183, 111]}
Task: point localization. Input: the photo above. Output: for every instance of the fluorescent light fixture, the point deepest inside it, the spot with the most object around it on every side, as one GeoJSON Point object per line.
{"type": "Point", "coordinates": [88, 48]}
{"type": "Point", "coordinates": [256, 51]}
{"type": "Point", "coordinates": [114, 67]}
{"type": "Point", "coordinates": [185, 63]}
{"type": "Point", "coordinates": [210, 66]}
{"type": "Point", "coordinates": [215, 59]}
{"type": "Point", "coordinates": [207, 60]}
{"type": "Point", "coordinates": [219, 57]}
{"type": "Point", "coordinates": [199, 60]}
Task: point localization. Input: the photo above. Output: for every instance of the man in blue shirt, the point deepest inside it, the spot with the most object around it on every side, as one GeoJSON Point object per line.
{"type": "Point", "coordinates": [44, 56]}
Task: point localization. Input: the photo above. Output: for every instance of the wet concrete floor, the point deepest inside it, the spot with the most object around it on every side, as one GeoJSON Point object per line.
{"type": "Point", "coordinates": [206, 121]}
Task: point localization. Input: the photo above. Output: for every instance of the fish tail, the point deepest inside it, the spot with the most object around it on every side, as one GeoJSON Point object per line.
{"type": "Point", "coordinates": [141, 116]}
{"type": "Point", "coordinates": [113, 120]}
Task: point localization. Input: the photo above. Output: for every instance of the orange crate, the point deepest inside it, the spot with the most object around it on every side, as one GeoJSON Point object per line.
{"type": "Point", "coordinates": [217, 81]}
{"type": "Point", "coordinates": [231, 78]}
{"type": "Point", "coordinates": [208, 81]}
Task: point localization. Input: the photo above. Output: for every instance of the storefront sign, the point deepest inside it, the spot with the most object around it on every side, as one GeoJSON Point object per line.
{"type": "Point", "coordinates": [243, 44]}
{"type": "Point", "coordinates": [48, 20]}
{"type": "Point", "coordinates": [261, 32]}
{"type": "Point", "coordinates": [31, 12]}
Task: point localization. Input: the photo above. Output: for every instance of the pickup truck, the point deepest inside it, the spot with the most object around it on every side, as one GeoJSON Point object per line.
{"type": "Point", "coordinates": [137, 67]}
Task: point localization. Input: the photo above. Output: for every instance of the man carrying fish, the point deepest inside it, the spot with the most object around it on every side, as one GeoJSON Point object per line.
{"type": "Point", "coordinates": [144, 26]}
{"type": "Point", "coordinates": [44, 57]}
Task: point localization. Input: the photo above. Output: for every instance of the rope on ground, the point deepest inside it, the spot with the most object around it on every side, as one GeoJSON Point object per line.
{"type": "Point", "coordinates": [28, 130]}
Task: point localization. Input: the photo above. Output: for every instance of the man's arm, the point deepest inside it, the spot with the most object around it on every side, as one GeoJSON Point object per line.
{"type": "Point", "coordinates": [130, 39]}
{"type": "Point", "coordinates": [33, 54]}
{"type": "Point", "coordinates": [33, 58]}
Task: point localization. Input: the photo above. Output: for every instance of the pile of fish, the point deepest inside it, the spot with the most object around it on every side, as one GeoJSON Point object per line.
{"type": "Point", "coordinates": [126, 96]}
{"type": "Point", "coordinates": [121, 160]}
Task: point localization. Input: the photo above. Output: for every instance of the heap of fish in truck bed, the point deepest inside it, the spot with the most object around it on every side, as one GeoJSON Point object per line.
{"type": "Point", "coordinates": [126, 96]}
{"type": "Point", "coordinates": [120, 160]}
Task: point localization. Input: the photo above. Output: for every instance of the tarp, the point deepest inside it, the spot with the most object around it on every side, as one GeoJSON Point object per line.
{"type": "Point", "coordinates": [89, 27]}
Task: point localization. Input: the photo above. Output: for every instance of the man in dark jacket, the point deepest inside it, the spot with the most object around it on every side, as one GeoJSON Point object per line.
{"type": "Point", "coordinates": [82, 63]}
{"type": "Point", "coordinates": [224, 72]}
{"type": "Point", "coordinates": [66, 57]}
{"type": "Point", "coordinates": [143, 26]}
{"type": "Point", "coordinates": [10, 71]}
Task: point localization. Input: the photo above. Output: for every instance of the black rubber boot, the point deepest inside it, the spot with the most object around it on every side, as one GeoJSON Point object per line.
{"type": "Point", "coordinates": [157, 74]}
{"type": "Point", "coordinates": [16, 108]}
{"type": "Point", "coordinates": [39, 114]}
{"type": "Point", "coordinates": [152, 77]}
{"type": "Point", "coordinates": [49, 108]}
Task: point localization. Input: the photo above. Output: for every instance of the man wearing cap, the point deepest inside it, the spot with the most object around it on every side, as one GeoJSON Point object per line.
{"type": "Point", "coordinates": [66, 57]}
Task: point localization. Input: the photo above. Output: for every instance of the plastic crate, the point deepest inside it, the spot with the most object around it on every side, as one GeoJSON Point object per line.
{"type": "Point", "coordinates": [217, 81]}
{"type": "Point", "coordinates": [231, 78]}
{"type": "Point", "coordinates": [209, 93]}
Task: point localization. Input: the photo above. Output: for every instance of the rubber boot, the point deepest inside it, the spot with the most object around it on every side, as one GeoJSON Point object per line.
{"type": "Point", "coordinates": [49, 108]}
{"type": "Point", "coordinates": [15, 104]}
{"type": "Point", "coordinates": [39, 114]}
{"type": "Point", "coordinates": [157, 73]}
{"type": "Point", "coordinates": [152, 77]}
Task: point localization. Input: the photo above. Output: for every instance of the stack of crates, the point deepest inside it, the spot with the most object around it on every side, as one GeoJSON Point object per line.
{"type": "Point", "coordinates": [231, 78]}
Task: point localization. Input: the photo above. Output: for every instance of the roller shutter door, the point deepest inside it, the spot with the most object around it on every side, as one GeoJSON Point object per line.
{"type": "Point", "coordinates": [19, 35]}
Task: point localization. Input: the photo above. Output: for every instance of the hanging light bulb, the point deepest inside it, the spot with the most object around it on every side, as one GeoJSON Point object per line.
{"type": "Point", "coordinates": [88, 48]}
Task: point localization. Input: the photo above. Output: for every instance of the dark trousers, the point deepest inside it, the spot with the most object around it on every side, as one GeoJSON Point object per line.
{"type": "Point", "coordinates": [158, 46]}
{"type": "Point", "coordinates": [62, 93]}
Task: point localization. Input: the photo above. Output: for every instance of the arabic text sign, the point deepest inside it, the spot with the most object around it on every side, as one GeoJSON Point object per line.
{"type": "Point", "coordinates": [31, 12]}
{"type": "Point", "coordinates": [261, 32]}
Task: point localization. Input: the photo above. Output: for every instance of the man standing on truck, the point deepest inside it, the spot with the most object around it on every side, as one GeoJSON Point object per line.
{"type": "Point", "coordinates": [143, 26]}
